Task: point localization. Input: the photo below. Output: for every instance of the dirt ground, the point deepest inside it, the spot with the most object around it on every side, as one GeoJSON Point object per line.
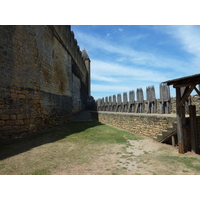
{"type": "Point", "coordinates": [136, 157]}
{"type": "Point", "coordinates": [139, 157]}
{"type": "Point", "coordinates": [148, 157]}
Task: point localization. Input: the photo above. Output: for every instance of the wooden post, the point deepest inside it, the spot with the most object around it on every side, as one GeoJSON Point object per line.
{"type": "Point", "coordinates": [193, 128]}
{"type": "Point", "coordinates": [181, 133]}
{"type": "Point", "coordinates": [173, 141]}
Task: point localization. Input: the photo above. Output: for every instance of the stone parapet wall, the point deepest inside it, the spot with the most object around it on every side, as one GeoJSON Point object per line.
{"type": "Point", "coordinates": [146, 124]}
{"type": "Point", "coordinates": [194, 99]}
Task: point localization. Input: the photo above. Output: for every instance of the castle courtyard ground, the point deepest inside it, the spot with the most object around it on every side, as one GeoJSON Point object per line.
{"type": "Point", "coordinates": [92, 148]}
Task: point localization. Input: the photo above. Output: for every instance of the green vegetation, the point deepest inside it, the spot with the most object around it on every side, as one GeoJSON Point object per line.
{"type": "Point", "coordinates": [189, 162]}
{"type": "Point", "coordinates": [95, 132]}
{"type": "Point", "coordinates": [40, 172]}
{"type": "Point", "coordinates": [59, 150]}
{"type": "Point", "coordinates": [92, 148]}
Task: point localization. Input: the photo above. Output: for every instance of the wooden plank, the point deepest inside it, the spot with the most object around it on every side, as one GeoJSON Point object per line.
{"type": "Point", "coordinates": [193, 129]}
{"type": "Point", "coordinates": [197, 91]}
{"type": "Point", "coordinates": [184, 81]}
{"type": "Point", "coordinates": [186, 94]}
{"type": "Point", "coordinates": [184, 84]}
{"type": "Point", "coordinates": [180, 123]}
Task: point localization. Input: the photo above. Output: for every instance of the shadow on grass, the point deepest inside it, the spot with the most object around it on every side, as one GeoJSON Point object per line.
{"type": "Point", "coordinates": [44, 137]}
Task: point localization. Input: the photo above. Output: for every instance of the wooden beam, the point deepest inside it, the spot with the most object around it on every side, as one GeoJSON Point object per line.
{"type": "Point", "coordinates": [184, 83]}
{"type": "Point", "coordinates": [197, 91]}
{"type": "Point", "coordinates": [181, 133]}
{"type": "Point", "coordinates": [186, 94]}
{"type": "Point", "coordinates": [193, 129]}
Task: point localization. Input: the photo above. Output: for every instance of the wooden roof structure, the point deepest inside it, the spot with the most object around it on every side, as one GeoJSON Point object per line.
{"type": "Point", "coordinates": [189, 83]}
{"type": "Point", "coordinates": [184, 81]}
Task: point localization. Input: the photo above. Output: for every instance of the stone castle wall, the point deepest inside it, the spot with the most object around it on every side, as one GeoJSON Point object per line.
{"type": "Point", "coordinates": [194, 99]}
{"type": "Point", "coordinates": [149, 125]}
{"type": "Point", "coordinates": [139, 123]}
{"type": "Point", "coordinates": [43, 78]}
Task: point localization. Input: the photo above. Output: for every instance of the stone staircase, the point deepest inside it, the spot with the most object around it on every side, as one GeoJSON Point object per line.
{"type": "Point", "coordinates": [167, 134]}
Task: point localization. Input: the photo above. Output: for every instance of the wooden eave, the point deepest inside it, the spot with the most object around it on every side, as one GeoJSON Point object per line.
{"type": "Point", "coordinates": [184, 81]}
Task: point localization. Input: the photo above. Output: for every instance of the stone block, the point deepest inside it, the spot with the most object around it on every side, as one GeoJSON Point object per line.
{"type": "Point", "coordinates": [20, 116]}
{"type": "Point", "coordinates": [19, 122]}
{"type": "Point", "coordinates": [7, 128]}
{"type": "Point", "coordinates": [10, 122]}
{"type": "Point", "coordinates": [21, 96]}
{"type": "Point", "coordinates": [12, 117]}
{"type": "Point", "coordinates": [14, 95]}
{"type": "Point", "coordinates": [4, 117]}
{"type": "Point", "coordinates": [26, 121]}
{"type": "Point", "coordinates": [25, 127]}
{"type": "Point", "coordinates": [2, 123]}
{"type": "Point", "coordinates": [34, 102]}
{"type": "Point", "coordinates": [32, 126]}
{"type": "Point", "coordinates": [2, 101]}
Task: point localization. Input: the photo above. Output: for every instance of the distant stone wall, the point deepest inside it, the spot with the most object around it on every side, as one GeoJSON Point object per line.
{"type": "Point", "coordinates": [146, 124]}
{"type": "Point", "coordinates": [43, 78]}
{"type": "Point", "coordinates": [195, 100]}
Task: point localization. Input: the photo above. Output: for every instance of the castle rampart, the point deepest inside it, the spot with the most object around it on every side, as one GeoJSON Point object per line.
{"type": "Point", "coordinates": [43, 79]}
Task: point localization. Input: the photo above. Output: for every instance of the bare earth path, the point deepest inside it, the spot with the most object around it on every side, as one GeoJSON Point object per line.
{"type": "Point", "coordinates": [139, 157]}
{"type": "Point", "coordinates": [147, 157]}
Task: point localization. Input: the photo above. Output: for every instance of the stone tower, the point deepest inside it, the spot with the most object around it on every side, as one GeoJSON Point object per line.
{"type": "Point", "coordinates": [87, 64]}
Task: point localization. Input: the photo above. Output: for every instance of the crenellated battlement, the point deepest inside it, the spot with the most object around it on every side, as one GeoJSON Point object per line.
{"type": "Point", "coordinates": [137, 103]}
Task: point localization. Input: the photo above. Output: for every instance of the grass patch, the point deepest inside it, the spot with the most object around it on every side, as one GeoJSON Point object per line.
{"type": "Point", "coordinates": [103, 134]}
{"type": "Point", "coordinates": [62, 148]}
{"type": "Point", "coordinates": [40, 172]}
{"type": "Point", "coordinates": [189, 162]}
{"type": "Point", "coordinates": [114, 173]}
{"type": "Point", "coordinates": [145, 152]}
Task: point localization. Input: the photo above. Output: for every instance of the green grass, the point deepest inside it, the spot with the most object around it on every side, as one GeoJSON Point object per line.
{"type": "Point", "coordinates": [61, 148]}
{"type": "Point", "coordinates": [189, 162]}
{"type": "Point", "coordinates": [101, 134]}
{"type": "Point", "coordinates": [40, 172]}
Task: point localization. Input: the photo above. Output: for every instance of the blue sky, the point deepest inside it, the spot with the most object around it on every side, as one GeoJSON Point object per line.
{"type": "Point", "coordinates": [128, 57]}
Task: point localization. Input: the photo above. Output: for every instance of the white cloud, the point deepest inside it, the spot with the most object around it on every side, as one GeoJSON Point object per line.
{"type": "Point", "coordinates": [120, 29]}
{"type": "Point", "coordinates": [109, 88]}
{"type": "Point", "coordinates": [97, 77]}
{"type": "Point", "coordinates": [117, 78]}
{"type": "Point", "coordinates": [129, 54]}
{"type": "Point", "coordinates": [189, 36]}
{"type": "Point", "coordinates": [125, 68]}
{"type": "Point", "coordinates": [123, 72]}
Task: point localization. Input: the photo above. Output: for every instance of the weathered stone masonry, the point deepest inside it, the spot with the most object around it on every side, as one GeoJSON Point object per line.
{"type": "Point", "coordinates": [139, 123]}
{"type": "Point", "coordinates": [44, 78]}
{"type": "Point", "coordinates": [150, 125]}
